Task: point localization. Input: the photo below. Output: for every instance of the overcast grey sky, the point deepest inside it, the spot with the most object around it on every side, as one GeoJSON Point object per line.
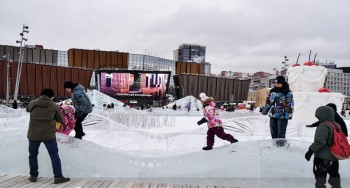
{"type": "Point", "coordinates": [240, 35]}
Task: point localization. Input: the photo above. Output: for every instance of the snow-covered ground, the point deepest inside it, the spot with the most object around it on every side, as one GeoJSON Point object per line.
{"type": "Point", "coordinates": [166, 145]}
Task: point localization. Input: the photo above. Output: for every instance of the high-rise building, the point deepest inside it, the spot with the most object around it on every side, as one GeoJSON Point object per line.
{"type": "Point", "coordinates": [329, 65]}
{"type": "Point", "coordinates": [207, 68]}
{"type": "Point", "coordinates": [191, 53]}
{"type": "Point", "coordinates": [231, 74]}
{"type": "Point", "coordinates": [338, 81]}
{"type": "Point", "coordinates": [259, 80]}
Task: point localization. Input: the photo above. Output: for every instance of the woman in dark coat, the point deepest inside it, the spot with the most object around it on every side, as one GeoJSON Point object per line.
{"type": "Point", "coordinates": [337, 119]}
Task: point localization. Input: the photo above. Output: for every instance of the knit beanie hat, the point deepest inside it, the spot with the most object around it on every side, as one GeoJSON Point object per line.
{"type": "Point", "coordinates": [69, 84]}
{"type": "Point", "coordinates": [280, 79]}
{"type": "Point", "coordinates": [48, 92]}
{"type": "Point", "coordinates": [332, 105]}
{"type": "Point", "coordinates": [203, 96]}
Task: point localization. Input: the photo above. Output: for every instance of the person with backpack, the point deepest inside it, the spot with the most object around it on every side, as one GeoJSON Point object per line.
{"type": "Point", "coordinates": [211, 117]}
{"type": "Point", "coordinates": [324, 161]}
{"type": "Point", "coordinates": [279, 105]}
{"type": "Point", "coordinates": [82, 105]}
{"type": "Point", "coordinates": [337, 119]}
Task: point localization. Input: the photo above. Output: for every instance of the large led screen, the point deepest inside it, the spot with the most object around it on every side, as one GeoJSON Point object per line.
{"type": "Point", "coordinates": [134, 83]}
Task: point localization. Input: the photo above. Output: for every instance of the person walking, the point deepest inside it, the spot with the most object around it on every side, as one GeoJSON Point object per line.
{"type": "Point", "coordinates": [324, 161]}
{"type": "Point", "coordinates": [343, 113]}
{"type": "Point", "coordinates": [337, 118]}
{"type": "Point", "coordinates": [14, 104]}
{"type": "Point", "coordinates": [279, 105]}
{"type": "Point", "coordinates": [81, 103]}
{"type": "Point", "coordinates": [211, 116]}
{"type": "Point", "coordinates": [42, 128]}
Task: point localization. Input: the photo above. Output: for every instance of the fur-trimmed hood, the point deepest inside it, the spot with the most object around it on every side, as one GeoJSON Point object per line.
{"type": "Point", "coordinates": [207, 101]}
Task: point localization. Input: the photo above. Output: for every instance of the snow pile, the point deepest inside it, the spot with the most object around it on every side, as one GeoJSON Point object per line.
{"type": "Point", "coordinates": [142, 120]}
{"type": "Point", "coordinates": [189, 103]}
{"type": "Point", "coordinates": [99, 99]}
{"type": "Point", "coordinates": [7, 112]}
{"type": "Point", "coordinates": [238, 113]}
{"type": "Point", "coordinates": [171, 153]}
{"type": "Point", "coordinates": [245, 164]}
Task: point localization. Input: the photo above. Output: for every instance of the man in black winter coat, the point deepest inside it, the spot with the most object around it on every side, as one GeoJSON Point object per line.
{"type": "Point", "coordinates": [337, 119]}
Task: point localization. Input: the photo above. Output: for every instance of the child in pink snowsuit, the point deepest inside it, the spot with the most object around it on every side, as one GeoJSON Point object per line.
{"type": "Point", "coordinates": [68, 120]}
{"type": "Point", "coordinates": [211, 116]}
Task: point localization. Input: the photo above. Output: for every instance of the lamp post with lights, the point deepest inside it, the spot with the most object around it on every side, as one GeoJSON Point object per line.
{"type": "Point", "coordinates": [8, 65]}
{"type": "Point", "coordinates": [20, 59]}
{"type": "Point", "coordinates": [284, 63]}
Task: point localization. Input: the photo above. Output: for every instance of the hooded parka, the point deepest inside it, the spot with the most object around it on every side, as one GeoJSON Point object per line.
{"type": "Point", "coordinates": [324, 134]}
{"type": "Point", "coordinates": [44, 114]}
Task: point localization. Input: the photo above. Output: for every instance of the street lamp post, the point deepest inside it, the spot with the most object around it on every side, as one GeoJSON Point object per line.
{"type": "Point", "coordinates": [19, 68]}
{"type": "Point", "coordinates": [7, 80]}
{"type": "Point", "coordinates": [276, 71]}
{"type": "Point", "coordinates": [8, 65]}
{"type": "Point", "coordinates": [284, 63]}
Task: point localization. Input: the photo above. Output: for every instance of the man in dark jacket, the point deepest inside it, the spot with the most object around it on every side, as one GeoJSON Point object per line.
{"type": "Point", "coordinates": [42, 128]}
{"type": "Point", "coordinates": [337, 119]}
{"type": "Point", "coordinates": [82, 105]}
{"type": "Point", "coordinates": [324, 162]}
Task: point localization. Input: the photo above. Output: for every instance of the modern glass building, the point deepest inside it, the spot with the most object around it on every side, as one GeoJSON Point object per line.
{"type": "Point", "coordinates": [191, 53]}
{"type": "Point", "coordinates": [151, 63]}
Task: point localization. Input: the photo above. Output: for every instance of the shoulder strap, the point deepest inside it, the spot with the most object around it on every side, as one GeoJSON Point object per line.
{"type": "Point", "coordinates": [336, 129]}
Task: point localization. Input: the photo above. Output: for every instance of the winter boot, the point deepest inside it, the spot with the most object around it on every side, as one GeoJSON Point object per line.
{"type": "Point", "coordinates": [61, 180]}
{"type": "Point", "coordinates": [78, 137]}
{"type": "Point", "coordinates": [32, 179]}
{"type": "Point", "coordinates": [234, 141]}
{"type": "Point", "coordinates": [207, 148]}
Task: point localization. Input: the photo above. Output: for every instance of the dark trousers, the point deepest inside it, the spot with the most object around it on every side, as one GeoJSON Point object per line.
{"type": "Point", "coordinates": [51, 146]}
{"type": "Point", "coordinates": [323, 167]}
{"type": "Point", "coordinates": [278, 127]}
{"type": "Point", "coordinates": [218, 131]}
{"type": "Point", "coordinates": [79, 133]}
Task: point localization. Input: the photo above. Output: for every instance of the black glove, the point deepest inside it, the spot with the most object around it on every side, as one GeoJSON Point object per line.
{"type": "Point", "coordinates": [78, 113]}
{"type": "Point", "coordinates": [308, 154]}
{"type": "Point", "coordinates": [203, 120]}
{"type": "Point", "coordinates": [264, 112]}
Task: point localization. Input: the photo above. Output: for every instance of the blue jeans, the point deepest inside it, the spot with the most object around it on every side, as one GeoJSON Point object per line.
{"type": "Point", "coordinates": [278, 127]}
{"type": "Point", "coordinates": [51, 146]}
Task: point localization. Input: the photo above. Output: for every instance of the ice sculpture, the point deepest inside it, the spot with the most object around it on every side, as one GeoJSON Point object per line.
{"type": "Point", "coordinates": [305, 82]}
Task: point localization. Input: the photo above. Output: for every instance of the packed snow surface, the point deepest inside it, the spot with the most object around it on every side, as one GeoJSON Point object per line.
{"type": "Point", "coordinates": [165, 145]}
